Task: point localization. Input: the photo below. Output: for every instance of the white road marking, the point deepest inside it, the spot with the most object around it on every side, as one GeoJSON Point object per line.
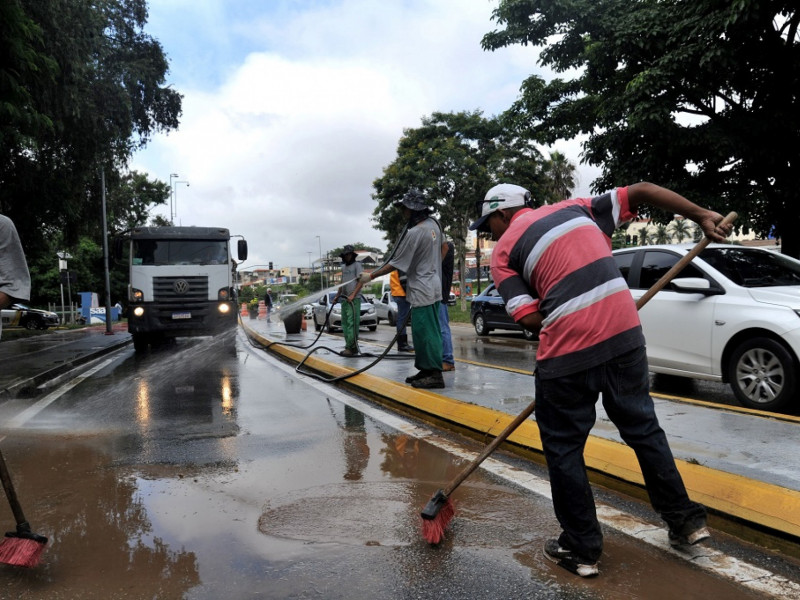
{"type": "Point", "coordinates": [26, 415]}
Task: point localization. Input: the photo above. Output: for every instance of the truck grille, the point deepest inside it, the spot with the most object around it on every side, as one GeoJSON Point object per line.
{"type": "Point", "coordinates": [180, 289]}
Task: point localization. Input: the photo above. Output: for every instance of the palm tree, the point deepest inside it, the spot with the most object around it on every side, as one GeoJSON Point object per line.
{"type": "Point", "coordinates": [562, 176]}
{"type": "Point", "coordinates": [681, 229]}
{"type": "Point", "coordinates": [661, 235]}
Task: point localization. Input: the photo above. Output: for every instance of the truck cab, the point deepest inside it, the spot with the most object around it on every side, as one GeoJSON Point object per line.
{"type": "Point", "coordinates": [181, 283]}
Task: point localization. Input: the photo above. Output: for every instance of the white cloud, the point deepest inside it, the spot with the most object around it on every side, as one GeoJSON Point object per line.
{"type": "Point", "coordinates": [289, 115]}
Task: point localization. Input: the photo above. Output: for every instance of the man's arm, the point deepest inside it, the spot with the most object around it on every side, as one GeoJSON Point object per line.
{"type": "Point", "coordinates": [654, 195]}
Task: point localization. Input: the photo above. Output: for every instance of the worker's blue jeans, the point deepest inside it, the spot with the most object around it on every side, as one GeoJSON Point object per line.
{"type": "Point", "coordinates": [447, 337]}
{"type": "Point", "coordinates": [565, 413]}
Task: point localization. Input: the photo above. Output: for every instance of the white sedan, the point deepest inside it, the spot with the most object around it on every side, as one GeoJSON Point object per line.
{"type": "Point", "coordinates": [322, 310]}
{"type": "Point", "coordinates": [732, 315]}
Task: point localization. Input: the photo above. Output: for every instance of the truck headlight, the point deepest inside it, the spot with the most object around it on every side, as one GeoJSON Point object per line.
{"type": "Point", "coordinates": [138, 311]}
{"type": "Point", "coordinates": [223, 295]}
{"type": "Point", "coordinates": [224, 307]}
{"type": "Point", "coordinates": [137, 296]}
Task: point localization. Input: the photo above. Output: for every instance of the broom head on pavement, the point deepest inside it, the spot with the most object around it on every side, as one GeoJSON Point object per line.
{"type": "Point", "coordinates": [22, 548]}
{"type": "Point", "coordinates": [436, 516]}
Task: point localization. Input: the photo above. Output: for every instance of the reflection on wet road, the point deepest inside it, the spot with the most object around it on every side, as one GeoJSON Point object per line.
{"type": "Point", "coordinates": [192, 472]}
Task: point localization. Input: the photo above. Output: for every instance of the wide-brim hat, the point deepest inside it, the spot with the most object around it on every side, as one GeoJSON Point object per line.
{"type": "Point", "coordinates": [504, 195]}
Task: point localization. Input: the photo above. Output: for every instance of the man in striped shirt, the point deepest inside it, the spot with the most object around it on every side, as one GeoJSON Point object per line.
{"type": "Point", "coordinates": [554, 269]}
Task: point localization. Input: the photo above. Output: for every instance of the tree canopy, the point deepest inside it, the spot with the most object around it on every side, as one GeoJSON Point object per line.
{"type": "Point", "coordinates": [700, 96]}
{"type": "Point", "coordinates": [454, 158]}
{"type": "Point", "coordinates": [81, 88]}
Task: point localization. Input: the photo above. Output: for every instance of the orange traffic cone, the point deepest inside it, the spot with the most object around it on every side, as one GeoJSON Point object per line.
{"type": "Point", "coordinates": [303, 326]}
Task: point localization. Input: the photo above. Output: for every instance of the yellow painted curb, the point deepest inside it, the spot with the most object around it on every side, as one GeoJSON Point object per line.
{"type": "Point", "coordinates": [753, 501]}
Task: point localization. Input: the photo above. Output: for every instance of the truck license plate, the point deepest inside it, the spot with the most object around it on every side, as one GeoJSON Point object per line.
{"type": "Point", "coordinates": [181, 315]}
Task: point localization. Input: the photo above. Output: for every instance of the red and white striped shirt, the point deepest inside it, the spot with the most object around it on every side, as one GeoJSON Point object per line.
{"type": "Point", "coordinates": [557, 259]}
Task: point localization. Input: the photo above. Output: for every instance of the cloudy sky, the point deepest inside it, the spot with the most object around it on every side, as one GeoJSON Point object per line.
{"type": "Point", "coordinates": [292, 108]}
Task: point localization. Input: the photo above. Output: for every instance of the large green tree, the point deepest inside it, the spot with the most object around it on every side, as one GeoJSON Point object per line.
{"type": "Point", "coordinates": [81, 87]}
{"type": "Point", "coordinates": [698, 95]}
{"type": "Point", "coordinates": [453, 158]}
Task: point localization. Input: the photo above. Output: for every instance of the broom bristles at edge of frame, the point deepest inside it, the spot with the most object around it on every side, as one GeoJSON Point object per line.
{"type": "Point", "coordinates": [433, 529]}
{"type": "Point", "coordinates": [21, 552]}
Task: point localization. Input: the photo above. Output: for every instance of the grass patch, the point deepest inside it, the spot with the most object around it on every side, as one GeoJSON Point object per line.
{"type": "Point", "coordinates": [457, 315]}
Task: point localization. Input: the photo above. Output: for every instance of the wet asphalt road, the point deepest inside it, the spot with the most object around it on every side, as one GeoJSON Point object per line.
{"type": "Point", "coordinates": [194, 473]}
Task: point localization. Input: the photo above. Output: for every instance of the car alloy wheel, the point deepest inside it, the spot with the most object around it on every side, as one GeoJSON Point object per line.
{"type": "Point", "coordinates": [480, 325]}
{"type": "Point", "coordinates": [31, 324]}
{"type": "Point", "coordinates": [763, 374]}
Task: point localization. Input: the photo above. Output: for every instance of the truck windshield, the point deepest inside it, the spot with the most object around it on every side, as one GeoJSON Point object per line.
{"type": "Point", "coordinates": [179, 252]}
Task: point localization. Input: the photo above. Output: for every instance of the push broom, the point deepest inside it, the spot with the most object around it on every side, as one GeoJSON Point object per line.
{"type": "Point", "coordinates": [21, 548]}
{"type": "Point", "coordinates": [439, 510]}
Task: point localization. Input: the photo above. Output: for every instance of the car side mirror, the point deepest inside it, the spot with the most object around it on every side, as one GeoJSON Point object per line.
{"type": "Point", "coordinates": [695, 285]}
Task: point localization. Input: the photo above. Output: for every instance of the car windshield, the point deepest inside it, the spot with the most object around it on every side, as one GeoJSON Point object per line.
{"type": "Point", "coordinates": [750, 267]}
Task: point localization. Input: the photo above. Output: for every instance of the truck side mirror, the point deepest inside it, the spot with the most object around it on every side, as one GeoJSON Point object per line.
{"type": "Point", "coordinates": [241, 249]}
{"type": "Point", "coordinates": [117, 248]}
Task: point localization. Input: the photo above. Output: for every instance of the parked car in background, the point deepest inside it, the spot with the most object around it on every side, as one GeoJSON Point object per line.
{"type": "Point", "coordinates": [488, 312]}
{"type": "Point", "coordinates": [29, 318]}
{"type": "Point", "coordinates": [386, 308]}
{"type": "Point", "coordinates": [322, 306]}
{"type": "Point", "coordinates": [732, 315]}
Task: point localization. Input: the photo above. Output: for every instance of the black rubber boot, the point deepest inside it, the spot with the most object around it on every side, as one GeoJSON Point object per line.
{"type": "Point", "coordinates": [402, 344]}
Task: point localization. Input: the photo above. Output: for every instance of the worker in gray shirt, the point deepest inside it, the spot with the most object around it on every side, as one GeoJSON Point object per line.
{"type": "Point", "coordinates": [351, 303]}
{"type": "Point", "coordinates": [15, 281]}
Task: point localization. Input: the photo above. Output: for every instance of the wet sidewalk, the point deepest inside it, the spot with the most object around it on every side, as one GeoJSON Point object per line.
{"type": "Point", "coordinates": [31, 362]}
{"type": "Point", "coordinates": [742, 464]}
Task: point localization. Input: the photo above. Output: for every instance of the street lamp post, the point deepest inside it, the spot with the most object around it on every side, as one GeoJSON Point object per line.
{"type": "Point", "coordinates": [175, 215]}
{"type": "Point", "coordinates": [172, 194]}
{"type": "Point", "coordinates": [321, 265]}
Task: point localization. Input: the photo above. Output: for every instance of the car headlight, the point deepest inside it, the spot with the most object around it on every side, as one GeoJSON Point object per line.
{"type": "Point", "coordinates": [371, 310]}
{"type": "Point", "coordinates": [337, 308]}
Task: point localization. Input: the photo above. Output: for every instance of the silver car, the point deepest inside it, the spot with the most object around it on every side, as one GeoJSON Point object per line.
{"type": "Point", "coordinates": [321, 308]}
{"type": "Point", "coordinates": [386, 308]}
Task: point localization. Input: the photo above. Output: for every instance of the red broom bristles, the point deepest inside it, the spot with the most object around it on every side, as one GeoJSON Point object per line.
{"type": "Point", "coordinates": [21, 552]}
{"type": "Point", "coordinates": [433, 529]}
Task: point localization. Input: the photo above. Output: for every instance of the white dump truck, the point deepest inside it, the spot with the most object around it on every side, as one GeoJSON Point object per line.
{"type": "Point", "coordinates": [182, 282]}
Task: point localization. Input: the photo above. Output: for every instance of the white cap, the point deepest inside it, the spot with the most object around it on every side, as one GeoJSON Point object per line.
{"type": "Point", "coordinates": [504, 195]}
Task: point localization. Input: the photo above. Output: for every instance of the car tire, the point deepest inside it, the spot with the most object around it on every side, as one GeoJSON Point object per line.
{"type": "Point", "coordinates": [480, 325]}
{"type": "Point", "coordinates": [762, 374]}
{"type": "Point", "coordinates": [392, 319]}
{"type": "Point", "coordinates": [31, 324]}
{"type": "Point", "coordinates": [372, 327]}
{"type": "Point", "coordinates": [317, 326]}
{"type": "Point", "coordinates": [331, 328]}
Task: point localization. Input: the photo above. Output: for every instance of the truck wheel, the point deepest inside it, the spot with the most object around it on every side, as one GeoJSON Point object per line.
{"type": "Point", "coordinates": [140, 342]}
{"type": "Point", "coordinates": [763, 374]}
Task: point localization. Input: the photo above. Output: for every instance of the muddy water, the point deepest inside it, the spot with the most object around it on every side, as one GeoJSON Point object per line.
{"type": "Point", "coordinates": [184, 476]}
